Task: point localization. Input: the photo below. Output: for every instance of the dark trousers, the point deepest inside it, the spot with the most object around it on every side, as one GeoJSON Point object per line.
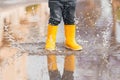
{"type": "Point", "coordinates": [62, 9]}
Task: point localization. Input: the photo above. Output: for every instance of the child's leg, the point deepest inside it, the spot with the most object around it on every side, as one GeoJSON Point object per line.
{"type": "Point", "coordinates": [70, 27]}
{"type": "Point", "coordinates": [55, 12]}
{"type": "Point", "coordinates": [69, 15]}
{"type": "Point", "coordinates": [55, 19]}
{"type": "Point", "coordinates": [69, 12]}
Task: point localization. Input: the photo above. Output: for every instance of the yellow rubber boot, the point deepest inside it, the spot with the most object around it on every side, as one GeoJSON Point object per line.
{"type": "Point", "coordinates": [51, 37]}
{"type": "Point", "coordinates": [69, 64]}
{"type": "Point", "coordinates": [70, 38]}
{"type": "Point", "coordinates": [50, 45]}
